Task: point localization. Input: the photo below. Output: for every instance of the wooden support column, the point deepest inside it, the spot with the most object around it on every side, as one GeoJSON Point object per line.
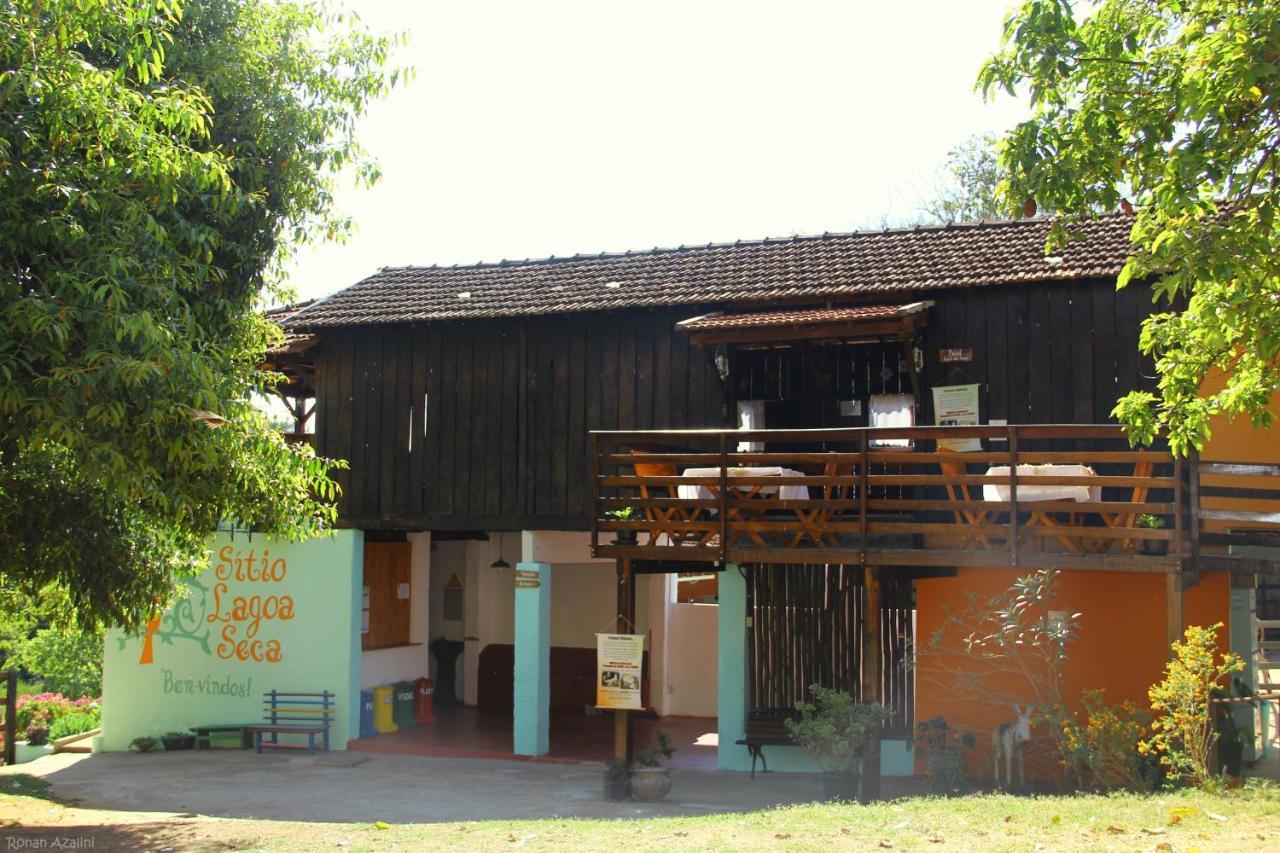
{"type": "Point", "coordinates": [1173, 610]}
{"type": "Point", "coordinates": [871, 680]}
{"type": "Point", "coordinates": [625, 624]}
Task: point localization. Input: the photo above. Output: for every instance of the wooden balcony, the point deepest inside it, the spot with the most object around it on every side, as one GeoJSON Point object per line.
{"type": "Point", "coordinates": [1038, 496]}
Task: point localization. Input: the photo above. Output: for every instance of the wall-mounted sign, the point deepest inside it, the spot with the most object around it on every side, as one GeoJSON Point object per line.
{"type": "Point", "coordinates": [956, 405]}
{"type": "Point", "coordinates": [619, 658]}
{"type": "Point", "coordinates": [850, 408]}
{"type": "Point", "coordinates": [958, 355]}
{"type": "Point", "coordinates": [528, 579]}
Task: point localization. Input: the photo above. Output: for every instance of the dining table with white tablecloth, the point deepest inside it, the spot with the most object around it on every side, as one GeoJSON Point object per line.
{"type": "Point", "coordinates": [698, 491]}
{"type": "Point", "coordinates": [744, 492]}
{"type": "Point", "coordinates": [1029, 492]}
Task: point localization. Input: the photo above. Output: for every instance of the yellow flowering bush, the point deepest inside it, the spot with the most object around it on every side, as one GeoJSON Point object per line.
{"type": "Point", "coordinates": [1182, 733]}
{"type": "Point", "coordinates": [1102, 749]}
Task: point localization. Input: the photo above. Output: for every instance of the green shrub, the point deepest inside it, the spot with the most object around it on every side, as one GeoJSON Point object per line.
{"type": "Point", "coordinates": [835, 730]}
{"type": "Point", "coordinates": [74, 724]}
{"type": "Point", "coordinates": [1182, 733]}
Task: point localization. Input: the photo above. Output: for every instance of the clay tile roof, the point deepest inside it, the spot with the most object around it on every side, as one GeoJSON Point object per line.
{"type": "Point", "coordinates": [293, 341]}
{"type": "Point", "coordinates": [831, 267]}
{"type": "Point", "coordinates": [802, 316]}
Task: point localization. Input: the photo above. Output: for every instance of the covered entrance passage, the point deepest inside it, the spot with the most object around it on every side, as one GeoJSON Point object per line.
{"type": "Point", "coordinates": [521, 634]}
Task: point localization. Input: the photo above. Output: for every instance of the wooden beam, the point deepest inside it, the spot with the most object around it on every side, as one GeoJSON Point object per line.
{"type": "Point", "coordinates": [625, 623]}
{"type": "Point", "coordinates": [1173, 610]}
{"type": "Point", "coordinates": [871, 680]}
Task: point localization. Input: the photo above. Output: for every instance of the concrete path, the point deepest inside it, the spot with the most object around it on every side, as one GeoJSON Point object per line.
{"type": "Point", "coordinates": [355, 787]}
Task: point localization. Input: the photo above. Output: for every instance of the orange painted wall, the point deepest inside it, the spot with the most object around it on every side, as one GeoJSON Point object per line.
{"type": "Point", "coordinates": [1120, 647]}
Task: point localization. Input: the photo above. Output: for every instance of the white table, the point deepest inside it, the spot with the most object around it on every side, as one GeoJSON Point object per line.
{"type": "Point", "coordinates": [699, 491]}
{"type": "Point", "coordinates": [696, 491]}
{"type": "Point", "coordinates": [1028, 492]}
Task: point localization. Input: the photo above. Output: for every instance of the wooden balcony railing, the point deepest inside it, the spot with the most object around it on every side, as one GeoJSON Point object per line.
{"type": "Point", "coordinates": [894, 497]}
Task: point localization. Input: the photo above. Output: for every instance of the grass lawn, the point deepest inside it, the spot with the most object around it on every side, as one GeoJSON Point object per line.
{"type": "Point", "coordinates": [1240, 820]}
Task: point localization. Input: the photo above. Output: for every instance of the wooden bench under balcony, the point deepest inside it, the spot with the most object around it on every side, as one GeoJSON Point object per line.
{"type": "Point", "coordinates": [1040, 496]}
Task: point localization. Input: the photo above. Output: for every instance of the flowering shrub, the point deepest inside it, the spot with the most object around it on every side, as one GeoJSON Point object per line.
{"type": "Point", "coordinates": [1182, 732]}
{"type": "Point", "coordinates": [51, 707]}
{"type": "Point", "coordinates": [1102, 749]}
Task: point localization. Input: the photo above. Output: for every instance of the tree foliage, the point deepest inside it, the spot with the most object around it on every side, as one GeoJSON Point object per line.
{"type": "Point", "coordinates": [157, 158]}
{"type": "Point", "coordinates": [1173, 104]}
{"type": "Point", "coordinates": [967, 188]}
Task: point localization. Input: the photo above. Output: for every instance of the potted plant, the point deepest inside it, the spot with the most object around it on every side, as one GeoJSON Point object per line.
{"type": "Point", "coordinates": [177, 740]}
{"type": "Point", "coordinates": [944, 754]}
{"type": "Point", "coordinates": [144, 743]}
{"type": "Point", "coordinates": [37, 743]}
{"type": "Point", "coordinates": [835, 730]}
{"type": "Point", "coordinates": [1153, 547]}
{"type": "Point", "coordinates": [623, 537]}
{"type": "Point", "coordinates": [617, 780]}
{"type": "Point", "coordinates": [649, 779]}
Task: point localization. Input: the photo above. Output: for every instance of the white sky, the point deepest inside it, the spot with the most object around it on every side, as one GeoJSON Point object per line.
{"type": "Point", "coordinates": [555, 127]}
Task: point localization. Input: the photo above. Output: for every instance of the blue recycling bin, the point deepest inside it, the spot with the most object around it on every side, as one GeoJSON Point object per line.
{"type": "Point", "coordinates": [366, 714]}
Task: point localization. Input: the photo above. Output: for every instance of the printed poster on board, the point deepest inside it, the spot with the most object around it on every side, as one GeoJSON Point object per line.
{"type": "Point", "coordinates": [956, 405]}
{"type": "Point", "coordinates": [618, 661]}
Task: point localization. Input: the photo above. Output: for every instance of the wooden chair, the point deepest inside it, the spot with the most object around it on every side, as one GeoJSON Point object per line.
{"type": "Point", "coordinates": [960, 492]}
{"type": "Point", "coordinates": [664, 519]}
{"type": "Point", "coordinates": [815, 520]}
{"type": "Point", "coordinates": [1120, 520]}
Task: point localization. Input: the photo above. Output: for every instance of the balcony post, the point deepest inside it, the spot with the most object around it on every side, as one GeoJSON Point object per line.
{"type": "Point", "coordinates": [724, 499]}
{"type": "Point", "coordinates": [863, 470]}
{"type": "Point", "coordinates": [1177, 513]}
{"type": "Point", "coordinates": [1013, 496]}
{"type": "Point", "coordinates": [595, 492]}
{"type": "Point", "coordinates": [1193, 474]}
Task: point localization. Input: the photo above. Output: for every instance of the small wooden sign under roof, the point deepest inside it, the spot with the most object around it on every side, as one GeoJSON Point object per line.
{"type": "Point", "coordinates": [847, 323]}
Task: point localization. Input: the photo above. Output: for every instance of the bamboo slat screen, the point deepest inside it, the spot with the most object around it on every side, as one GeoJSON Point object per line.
{"type": "Point", "coordinates": [806, 628]}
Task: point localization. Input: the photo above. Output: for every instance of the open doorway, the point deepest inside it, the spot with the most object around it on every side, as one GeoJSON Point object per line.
{"type": "Point", "coordinates": [690, 625]}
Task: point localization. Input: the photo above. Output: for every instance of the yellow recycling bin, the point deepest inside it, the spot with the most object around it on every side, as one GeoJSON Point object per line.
{"type": "Point", "coordinates": [383, 704]}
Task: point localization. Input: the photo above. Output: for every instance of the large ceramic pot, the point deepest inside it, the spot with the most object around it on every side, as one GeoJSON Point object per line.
{"type": "Point", "coordinates": [650, 783]}
{"type": "Point", "coordinates": [840, 786]}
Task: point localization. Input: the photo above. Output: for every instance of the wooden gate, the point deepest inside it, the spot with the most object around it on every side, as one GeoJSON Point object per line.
{"type": "Point", "coordinates": [806, 628]}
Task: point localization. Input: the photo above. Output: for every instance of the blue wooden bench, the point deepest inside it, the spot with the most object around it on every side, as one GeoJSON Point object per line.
{"type": "Point", "coordinates": [303, 714]}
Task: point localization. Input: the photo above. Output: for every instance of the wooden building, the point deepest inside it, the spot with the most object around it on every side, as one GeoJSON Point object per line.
{"type": "Point", "coordinates": [533, 396]}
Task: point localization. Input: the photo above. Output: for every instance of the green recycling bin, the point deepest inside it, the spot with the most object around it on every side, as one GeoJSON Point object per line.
{"type": "Point", "coordinates": [404, 693]}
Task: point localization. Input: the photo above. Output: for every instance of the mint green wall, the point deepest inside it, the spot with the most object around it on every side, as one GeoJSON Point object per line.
{"type": "Point", "coordinates": [197, 676]}
{"type": "Point", "coordinates": [895, 755]}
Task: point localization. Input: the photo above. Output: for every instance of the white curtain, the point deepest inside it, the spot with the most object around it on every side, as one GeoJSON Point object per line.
{"type": "Point", "coordinates": [892, 410]}
{"type": "Point", "coordinates": [750, 416]}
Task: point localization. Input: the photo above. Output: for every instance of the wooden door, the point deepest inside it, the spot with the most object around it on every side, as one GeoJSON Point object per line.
{"type": "Point", "coordinates": [388, 594]}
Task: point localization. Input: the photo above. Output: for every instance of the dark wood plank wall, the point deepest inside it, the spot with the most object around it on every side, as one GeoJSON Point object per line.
{"type": "Point", "coordinates": [482, 424]}
{"type": "Point", "coordinates": [1047, 354]}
